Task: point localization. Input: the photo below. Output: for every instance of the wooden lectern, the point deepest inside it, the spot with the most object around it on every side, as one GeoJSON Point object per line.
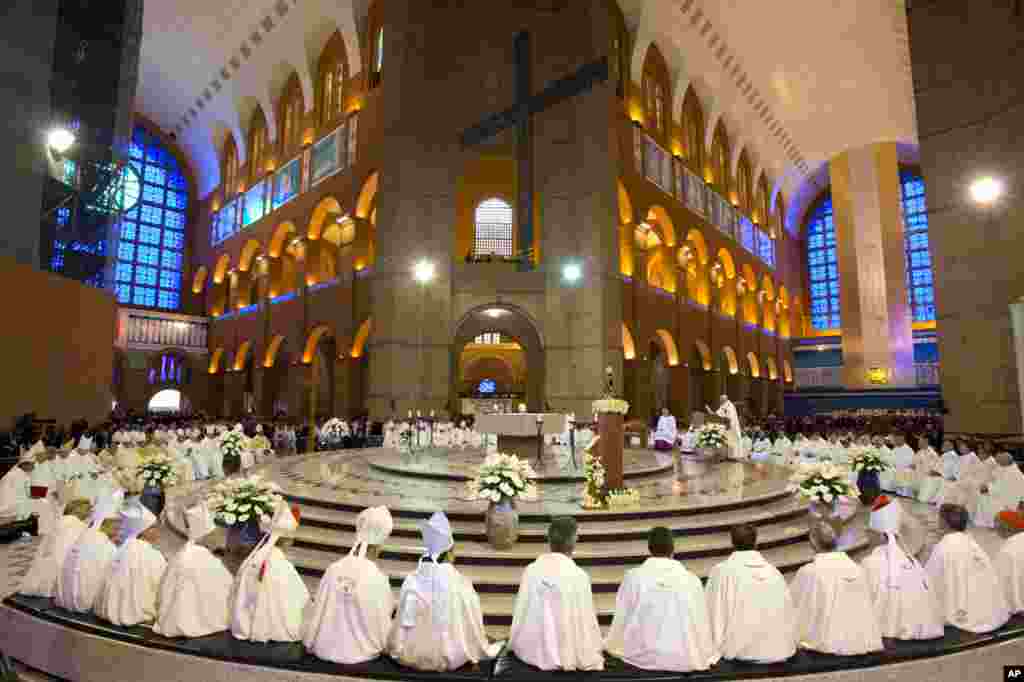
{"type": "Point", "coordinates": [609, 448]}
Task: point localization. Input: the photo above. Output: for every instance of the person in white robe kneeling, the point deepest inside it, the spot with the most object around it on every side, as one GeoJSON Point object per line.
{"type": "Point", "coordinates": [196, 587]}
{"type": "Point", "coordinates": [351, 613]}
{"type": "Point", "coordinates": [964, 579]}
{"type": "Point", "coordinates": [41, 579]}
{"type": "Point", "coordinates": [832, 601]}
{"type": "Point", "coordinates": [904, 605]}
{"type": "Point", "coordinates": [661, 614]}
{"type": "Point", "coordinates": [269, 596]}
{"type": "Point", "coordinates": [749, 605]}
{"type": "Point", "coordinates": [88, 561]}
{"type": "Point", "coordinates": [666, 431]}
{"type": "Point", "coordinates": [439, 624]}
{"type": "Point", "coordinates": [129, 595]}
{"type": "Point", "coordinates": [554, 625]}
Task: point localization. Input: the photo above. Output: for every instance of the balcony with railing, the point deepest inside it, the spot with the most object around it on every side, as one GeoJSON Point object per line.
{"type": "Point", "coordinates": [145, 330]}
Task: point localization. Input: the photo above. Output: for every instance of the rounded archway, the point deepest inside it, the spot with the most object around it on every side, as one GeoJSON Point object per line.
{"type": "Point", "coordinates": [274, 390]}
{"type": "Point", "coordinates": [503, 333]}
{"type": "Point", "coordinates": [168, 401]}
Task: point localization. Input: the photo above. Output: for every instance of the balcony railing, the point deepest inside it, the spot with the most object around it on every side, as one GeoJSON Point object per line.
{"type": "Point", "coordinates": [152, 331]}
{"type": "Point", "coordinates": [925, 374]}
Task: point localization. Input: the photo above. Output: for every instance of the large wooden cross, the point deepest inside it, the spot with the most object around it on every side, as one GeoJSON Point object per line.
{"type": "Point", "coordinates": [520, 115]}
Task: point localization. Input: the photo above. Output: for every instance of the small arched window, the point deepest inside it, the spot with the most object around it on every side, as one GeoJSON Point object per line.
{"type": "Point", "coordinates": [291, 113]}
{"type": "Point", "coordinates": [720, 161]}
{"type": "Point", "coordinates": [332, 90]}
{"type": "Point", "coordinates": [693, 128]}
{"type": "Point", "coordinates": [744, 185]}
{"type": "Point", "coordinates": [493, 234]}
{"type": "Point", "coordinates": [257, 146]}
{"type": "Point", "coordinates": [230, 169]}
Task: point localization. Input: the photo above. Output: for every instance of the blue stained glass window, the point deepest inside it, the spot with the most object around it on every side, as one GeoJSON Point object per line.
{"type": "Point", "coordinates": [747, 234]}
{"type": "Point", "coordinates": [919, 260]}
{"type": "Point", "coordinates": [63, 215]}
{"type": "Point", "coordinates": [822, 267]}
{"type": "Point", "coordinates": [766, 247]}
{"type": "Point", "coordinates": [149, 255]}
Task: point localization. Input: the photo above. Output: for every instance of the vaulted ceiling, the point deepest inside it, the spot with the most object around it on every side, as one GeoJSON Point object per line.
{"type": "Point", "coordinates": [795, 81]}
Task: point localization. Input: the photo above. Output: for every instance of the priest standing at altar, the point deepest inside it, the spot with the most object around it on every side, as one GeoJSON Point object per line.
{"type": "Point", "coordinates": [727, 410]}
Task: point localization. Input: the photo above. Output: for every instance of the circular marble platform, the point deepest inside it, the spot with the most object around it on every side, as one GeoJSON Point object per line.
{"type": "Point", "coordinates": [461, 465]}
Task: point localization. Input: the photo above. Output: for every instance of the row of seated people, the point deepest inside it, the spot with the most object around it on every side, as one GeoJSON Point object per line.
{"type": "Point", "coordinates": [664, 618]}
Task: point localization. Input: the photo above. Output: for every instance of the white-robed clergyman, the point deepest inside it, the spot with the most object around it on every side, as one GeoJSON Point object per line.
{"type": "Point", "coordinates": [129, 594]}
{"type": "Point", "coordinates": [269, 596]}
{"type": "Point", "coordinates": [196, 587]}
{"type": "Point", "coordinates": [666, 431]}
{"type": "Point", "coordinates": [351, 613]}
{"type": "Point", "coordinates": [439, 624]}
{"type": "Point", "coordinates": [661, 614]}
{"type": "Point", "coordinates": [727, 410]}
{"type": "Point", "coordinates": [87, 564]}
{"type": "Point", "coordinates": [1010, 565]}
{"type": "Point", "coordinates": [904, 604]}
{"type": "Point", "coordinates": [554, 625]}
{"type": "Point", "coordinates": [15, 500]}
{"type": "Point", "coordinates": [964, 579]}
{"type": "Point", "coordinates": [41, 579]}
{"type": "Point", "coordinates": [832, 601]}
{"type": "Point", "coordinates": [749, 605]}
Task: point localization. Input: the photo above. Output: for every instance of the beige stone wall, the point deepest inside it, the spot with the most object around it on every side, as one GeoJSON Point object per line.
{"type": "Point", "coordinates": [967, 67]}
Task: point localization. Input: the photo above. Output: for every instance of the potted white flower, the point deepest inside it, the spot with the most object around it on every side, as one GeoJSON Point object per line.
{"type": "Point", "coordinates": [239, 504]}
{"type": "Point", "coordinates": [711, 441]}
{"type": "Point", "coordinates": [156, 474]}
{"type": "Point", "coordinates": [501, 480]}
{"type": "Point", "coordinates": [231, 444]}
{"type": "Point", "coordinates": [869, 465]}
{"type": "Point", "coordinates": [833, 498]}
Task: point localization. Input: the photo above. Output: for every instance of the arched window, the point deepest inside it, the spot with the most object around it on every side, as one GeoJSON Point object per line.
{"type": "Point", "coordinates": [167, 401]}
{"type": "Point", "coordinates": [152, 234]}
{"type": "Point", "coordinates": [332, 81]}
{"type": "Point", "coordinates": [822, 267]}
{"type": "Point", "coordinates": [655, 90]}
{"type": "Point", "coordinates": [744, 185]}
{"type": "Point", "coordinates": [291, 113]}
{"type": "Point", "coordinates": [720, 160]}
{"type": "Point", "coordinates": [257, 146]}
{"type": "Point", "coordinates": [377, 54]}
{"type": "Point", "coordinates": [488, 338]}
{"type": "Point", "coordinates": [493, 234]}
{"type": "Point", "coordinates": [693, 131]}
{"type": "Point", "coordinates": [230, 169]}
{"type": "Point", "coordinates": [920, 279]}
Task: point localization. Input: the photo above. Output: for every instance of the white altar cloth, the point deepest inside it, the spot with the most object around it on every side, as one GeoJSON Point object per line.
{"type": "Point", "coordinates": [520, 424]}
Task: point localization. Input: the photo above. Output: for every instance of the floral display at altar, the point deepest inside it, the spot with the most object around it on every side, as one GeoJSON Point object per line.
{"type": "Point", "coordinates": [239, 501]}
{"type": "Point", "coordinates": [503, 478]}
{"type": "Point", "coordinates": [711, 436]}
{"type": "Point", "coordinates": [823, 482]}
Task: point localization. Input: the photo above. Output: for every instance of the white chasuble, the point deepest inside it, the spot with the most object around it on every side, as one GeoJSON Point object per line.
{"type": "Point", "coordinates": [1010, 568]}
{"type": "Point", "coordinates": [833, 607]}
{"type": "Point", "coordinates": [268, 598]}
{"type": "Point", "coordinates": [554, 626]}
{"type": "Point", "coordinates": [905, 605]}
{"type": "Point", "coordinates": [661, 619]}
{"type": "Point", "coordinates": [41, 579]}
{"type": "Point", "coordinates": [129, 594]}
{"type": "Point", "coordinates": [194, 594]}
{"type": "Point", "coordinates": [85, 570]}
{"type": "Point", "coordinates": [966, 585]}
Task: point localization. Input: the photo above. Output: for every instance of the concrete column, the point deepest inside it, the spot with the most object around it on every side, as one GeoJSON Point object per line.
{"type": "Point", "coordinates": [868, 219]}
{"type": "Point", "coordinates": [1017, 318]}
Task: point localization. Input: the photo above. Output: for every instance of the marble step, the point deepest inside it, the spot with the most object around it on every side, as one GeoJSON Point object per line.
{"type": "Point", "coordinates": [588, 551]}
{"type": "Point", "coordinates": [786, 508]}
{"type": "Point", "coordinates": [505, 578]}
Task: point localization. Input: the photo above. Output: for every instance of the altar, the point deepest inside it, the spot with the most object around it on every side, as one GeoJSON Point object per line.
{"type": "Point", "coordinates": [517, 431]}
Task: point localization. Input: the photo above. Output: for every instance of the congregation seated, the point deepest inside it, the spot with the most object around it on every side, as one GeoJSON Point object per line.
{"type": "Point", "coordinates": [661, 614]}
{"type": "Point", "coordinates": [128, 596]}
{"type": "Point", "coordinates": [833, 607]}
{"type": "Point", "coordinates": [749, 605]}
{"type": "Point", "coordinates": [554, 625]}
{"type": "Point", "coordinates": [351, 613]}
{"type": "Point", "coordinates": [963, 578]}
{"type": "Point", "coordinates": [439, 624]}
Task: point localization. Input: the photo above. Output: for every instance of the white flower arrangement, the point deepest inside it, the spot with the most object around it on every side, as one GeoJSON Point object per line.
{"type": "Point", "coordinates": [157, 471]}
{"type": "Point", "coordinates": [611, 406]}
{"type": "Point", "coordinates": [503, 477]}
{"type": "Point", "coordinates": [711, 436]}
{"type": "Point", "coordinates": [237, 501]}
{"type": "Point", "coordinates": [232, 443]}
{"type": "Point", "coordinates": [624, 498]}
{"type": "Point", "coordinates": [594, 494]}
{"type": "Point", "coordinates": [823, 482]}
{"type": "Point", "coordinates": [867, 459]}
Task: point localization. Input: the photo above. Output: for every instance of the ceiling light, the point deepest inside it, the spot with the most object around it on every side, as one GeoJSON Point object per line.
{"type": "Point", "coordinates": [571, 272]}
{"type": "Point", "coordinates": [494, 312]}
{"type": "Point", "coordinates": [60, 140]}
{"type": "Point", "coordinates": [423, 272]}
{"type": "Point", "coordinates": [986, 190]}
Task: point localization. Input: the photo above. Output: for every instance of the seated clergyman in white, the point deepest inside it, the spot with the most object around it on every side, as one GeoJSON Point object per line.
{"type": "Point", "coordinates": [196, 587]}
{"type": "Point", "coordinates": [904, 604]}
{"type": "Point", "coordinates": [351, 613]}
{"type": "Point", "coordinates": [666, 431]}
{"type": "Point", "coordinates": [832, 601]}
{"type": "Point", "coordinates": [749, 605]}
{"type": "Point", "coordinates": [661, 614]}
{"type": "Point", "coordinates": [15, 500]}
{"type": "Point", "coordinates": [554, 626]}
{"type": "Point", "coordinates": [41, 579]}
{"type": "Point", "coordinates": [439, 625]}
{"type": "Point", "coordinates": [1010, 563]}
{"type": "Point", "coordinates": [87, 564]}
{"type": "Point", "coordinates": [269, 596]}
{"type": "Point", "coordinates": [129, 594]}
{"type": "Point", "coordinates": [966, 586]}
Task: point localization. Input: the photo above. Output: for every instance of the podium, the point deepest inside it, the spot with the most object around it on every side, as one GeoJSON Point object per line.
{"type": "Point", "coordinates": [610, 426]}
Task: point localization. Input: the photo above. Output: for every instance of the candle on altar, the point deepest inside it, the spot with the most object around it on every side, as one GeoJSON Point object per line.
{"type": "Point", "coordinates": [431, 414]}
{"type": "Point", "coordinates": [522, 407]}
{"type": "Point", "coordinates": [410, 414]}
{"type": "Point", "coordinates": [418, 414]}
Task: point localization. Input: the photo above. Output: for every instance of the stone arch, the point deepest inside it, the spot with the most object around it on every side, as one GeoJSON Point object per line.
{"type": "Point", "coordinates": [270, 357]}
{"type": "Point", "coordinates": [625, 205]}
{"type": "Point", "coordinates": [705, 354]}
{"type": "Point", "coordinates": [199, 280]}
{"type": "Point", "coordinates": [658, 218]}
{"type": "Point", "coordinates": [251, 249]}
{"type": "Point", "coordinates": [753, 365]}
{"type": "Point", "coordinates": [749, 297]}
{"type": "Point", "coordinates": [341, 232]}
{"type": "Point", "coordinates": [511, 321]}
{"type": "Point", "coordinates": [242, 356]}
{"type": "Point", "coordinates": [215, 361]}
{"type": "Point", "coordinates": [668, 344]}
{"type": "Point", "coordinates": [773, 368]}
{"type": "Point", "coordinates": [328, 210]}
{"type": "Point", "coordinates": [731, 365]}
{"type": "Point", "coordinates": [315, 334]}
{"type": "Point", "coordinates": [628, 345]}
{"type": "Point", "coordinates": [729, 265]}
{"type": "Point", "coordinates": [656, 93]}
{"type": "Point", "coordinates": [367, 196]}
{"type": "Point", "coordinates": [722, 273]}
{"type": "Point", "coordinates": [660, 271]}
{"type": "Point", "coordinates": [282, 235]}
{"type": "Point", "coordinates": [787, 371]}
{"type": "Point", "coordinates": [362, 336]}
{"type": "Point", "coordinates": [221, 269]}
{"type": "Point", "coordinates": [693, 123]}
{"type": "Point", "coordinates": [696, 239]}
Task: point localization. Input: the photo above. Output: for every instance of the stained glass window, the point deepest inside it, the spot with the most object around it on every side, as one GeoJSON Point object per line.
{"type": "Point", "coordinates": [152, 237]}
{"type": "Point", "coordinates": [493, 228]}
{"type": "Point", "coordinates": [920, 279]}
{"type": "Point", "coordinates": [823, 267]}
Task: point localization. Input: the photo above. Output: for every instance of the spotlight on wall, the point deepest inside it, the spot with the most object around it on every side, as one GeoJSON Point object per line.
{"type": "Point", "coordinates": [423, 271]}
{"type": "Point", "coordinates": [494, 312]}
{"type": "Point", "coordinates": [572, 272]}
{"type": "Point", "coordinates": [986, 190]}
{"type": "Point", "coordinates": [60, 140]}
